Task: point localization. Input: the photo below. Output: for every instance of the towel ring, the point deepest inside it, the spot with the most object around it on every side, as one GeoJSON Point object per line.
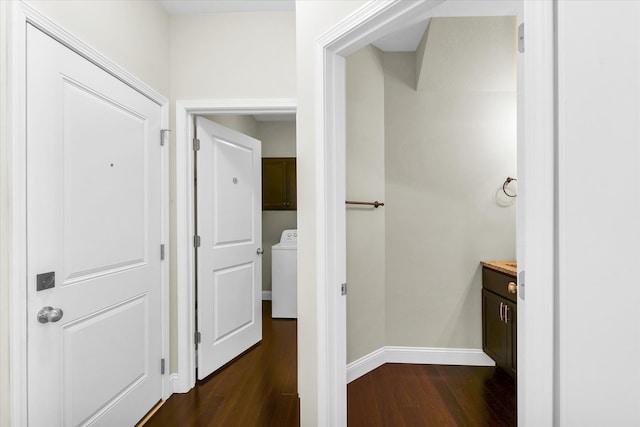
{"type": "Point", "coordinates": [504, 186]}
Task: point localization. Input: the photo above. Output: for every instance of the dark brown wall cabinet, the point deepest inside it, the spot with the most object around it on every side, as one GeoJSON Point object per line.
{"type": "Point", "coordinates": [279, 183]}
{"type": "Point", "coordinates": [500, 319]}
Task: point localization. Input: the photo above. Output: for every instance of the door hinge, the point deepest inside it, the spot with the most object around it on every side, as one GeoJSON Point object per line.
{"type": "Point", "coordinates": [196, 241]}
{"type": "Point", "coordinates": [521, 38]}
{"type": "Point", "coordinates": [163, 134]}
{"type": "Point", "coordinates": [196, 144]}
{"type": "Point", "coordinates": [197, 338]}
{"type": "Point", "coordinates": [161, 366]}
{"type": "Point", "coordinates": [162, 252]}
{"type": "Point", "coordinates": [343, 289]}
{"type": "Point", "coordinates": [521, 285]}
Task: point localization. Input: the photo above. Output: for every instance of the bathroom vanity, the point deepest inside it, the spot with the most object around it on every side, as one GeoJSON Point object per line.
{"type": "Point", "coordinates": [500, 313]}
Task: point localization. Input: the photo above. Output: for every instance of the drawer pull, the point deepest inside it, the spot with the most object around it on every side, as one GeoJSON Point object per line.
{"type": "Point", "coordinates": [501, 315]}
{"type": "Point", "coordinates": [512, 288]}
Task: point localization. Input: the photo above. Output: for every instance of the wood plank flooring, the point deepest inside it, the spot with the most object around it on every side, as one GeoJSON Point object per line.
{"type": "Point", "coordinates": [259, 389]}
{"type": "Point", "coordinates": [432, 395]}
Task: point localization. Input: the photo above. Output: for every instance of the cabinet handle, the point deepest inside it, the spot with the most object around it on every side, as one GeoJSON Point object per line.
{"type": "Point", "coordinates": [512, 287]}
{"type": "Point", "coordinates": [506, 313]}
{"type": "Point", "coordinates": [501, 316]}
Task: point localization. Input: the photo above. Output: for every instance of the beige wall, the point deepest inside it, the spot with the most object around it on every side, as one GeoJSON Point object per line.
{"type": "Point", "coordinates": [135, 35]}
{"type": "Point", "coordinates": [226, 56]}
{"type": "Point", "coordinates": [313, 18]}
{"type": "Point", "coordinates": [448, 150]}
{"type": "Point", "coordinates": [233, 55]}
{"type": "Point", "coordinates": [366, 328]}
{"type": "Point", "coordinates": [278, 140]}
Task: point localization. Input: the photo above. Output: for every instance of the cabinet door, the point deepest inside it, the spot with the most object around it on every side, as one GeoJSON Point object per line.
{"type": "Point", "coordinates": [292, 196]}
{"type": "Point", "coordinates": [279, 183]}
{"type": "Point", "coordinates": [513, 337]}
{"type": "Point", "coordinates": [274, 184]}
{"type": "Point", "coordinates": [494, 329]}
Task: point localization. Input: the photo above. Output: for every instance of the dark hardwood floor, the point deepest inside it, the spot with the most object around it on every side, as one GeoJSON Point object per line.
{"type": "Point", "coordinates": [259, 389]}
{"type": "Point", "coordinates": [432, 395]}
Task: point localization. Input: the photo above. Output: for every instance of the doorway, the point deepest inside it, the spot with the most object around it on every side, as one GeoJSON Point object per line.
{"type": "Point", "coordinates": [185, 254]}
{"type": "Point", "coordinates": [537, 229]}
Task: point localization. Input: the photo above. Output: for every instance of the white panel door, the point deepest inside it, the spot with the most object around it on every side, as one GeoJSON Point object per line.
{"type": "Point", "coordinates": [93, 220]}
{"type": "Point", "coordinates": [229, 198]}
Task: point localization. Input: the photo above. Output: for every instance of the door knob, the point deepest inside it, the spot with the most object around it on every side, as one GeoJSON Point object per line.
{"type": "Point", "coordinates": [260, 251]}
{"type": "Point", "coordinates": [49, 314]}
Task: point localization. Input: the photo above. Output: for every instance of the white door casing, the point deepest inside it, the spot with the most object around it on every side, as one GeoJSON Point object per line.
{"type": "Point", "coordinates": [229, 225]}
{"type": "Point", "coordinates": [94, 219]}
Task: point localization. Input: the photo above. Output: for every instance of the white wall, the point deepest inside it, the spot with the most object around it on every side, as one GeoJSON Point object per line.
{"type": "Point", "coordinates": [448, 150]}
{"type": "Point", "coordinates": [313, 18]}
{"type": "Point", "coordinates": [109, 27]}
{"type": "Point", "coordinates": [599, 211]}
{"type": "Point", "coordinates": [366, 307]}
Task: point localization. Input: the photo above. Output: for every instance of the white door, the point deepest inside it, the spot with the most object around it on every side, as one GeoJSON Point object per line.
{"type": "Point", "coordinates": [229, 223]}
{"type": "Point", "coordinates": [93, 221]}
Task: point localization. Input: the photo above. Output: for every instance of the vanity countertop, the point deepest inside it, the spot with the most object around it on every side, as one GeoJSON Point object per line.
{"type": "Point", "coordinates": [508, 267]}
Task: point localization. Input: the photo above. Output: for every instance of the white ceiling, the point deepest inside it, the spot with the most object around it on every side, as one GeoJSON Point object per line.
{"type": "Point", "coordinates": [188, 7]}
{"type": "Point", "coordinates": [404, 40]}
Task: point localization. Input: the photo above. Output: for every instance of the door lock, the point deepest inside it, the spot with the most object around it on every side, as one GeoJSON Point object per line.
{"type": "Point", "coordinates": [49, 314]}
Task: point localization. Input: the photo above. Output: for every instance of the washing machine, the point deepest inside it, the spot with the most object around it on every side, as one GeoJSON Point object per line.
{"type": "Point", "coordinates": [284, 276]}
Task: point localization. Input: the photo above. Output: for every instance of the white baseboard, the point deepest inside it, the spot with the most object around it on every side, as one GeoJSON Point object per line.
{"type": "Point", "coordinates": [266, 295]}
{"type": "Point", "coordinates": [419, 355]}
{"type": "Point", "coordinates": [176, 385]}
{"type": "Point", "coordinates": [366, 364]}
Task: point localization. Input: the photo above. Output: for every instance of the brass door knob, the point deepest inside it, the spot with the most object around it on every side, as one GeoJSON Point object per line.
{"type": "Point", "coordinates": [512, 288]}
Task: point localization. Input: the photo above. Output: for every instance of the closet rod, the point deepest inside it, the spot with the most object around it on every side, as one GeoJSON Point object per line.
{"type": "Point", "coordinates": [374, 204]}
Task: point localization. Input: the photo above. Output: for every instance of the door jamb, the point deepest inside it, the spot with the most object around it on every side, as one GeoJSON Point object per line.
{"type": "Point", "coordinates": [354, 32]}
{"type": "Point", "coordinates": [21, 15]}
{"type": "Point", "coordinates": [185, 378]}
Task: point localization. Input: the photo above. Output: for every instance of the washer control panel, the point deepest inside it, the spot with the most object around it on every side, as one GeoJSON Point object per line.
{"type": "Point", "coordinates": [289, 237]}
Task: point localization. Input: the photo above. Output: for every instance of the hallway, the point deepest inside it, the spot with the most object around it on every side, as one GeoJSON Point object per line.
{"type": "Point", "coordinates": [256, 389]}
{"type": "Point", "coordinates": [259, 389]}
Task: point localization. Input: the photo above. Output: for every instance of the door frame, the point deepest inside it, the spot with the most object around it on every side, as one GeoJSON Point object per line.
{"type": "Point", "coordinates": [185, 378]}
{"type": "Point", "coordinates": [537, 396]}
{"type": "Point", "coordinates": [21, 15]}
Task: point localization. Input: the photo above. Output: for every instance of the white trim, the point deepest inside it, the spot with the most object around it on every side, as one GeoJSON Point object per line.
{"type": "Point", "coordinates": [417, 355]}
{"type": "Point", "coordinates": [21, 15]}
{"type": "Point", "coordinates": [185, 379]}
{"type": "Point", "coordinates": [266, 295]}
{"type": "Point", "coordinates": [535, 395]}
{"type": "Point", "coordinates": [174, 381]}
{"type": "Point", "coordinates": [439, 356]}
{"type": "Point", "coordinates": [165, 206]}
{"type": "Point", "coordinates": [366, 364]}
{"type": "Point", "coordinates": [536, 313]}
